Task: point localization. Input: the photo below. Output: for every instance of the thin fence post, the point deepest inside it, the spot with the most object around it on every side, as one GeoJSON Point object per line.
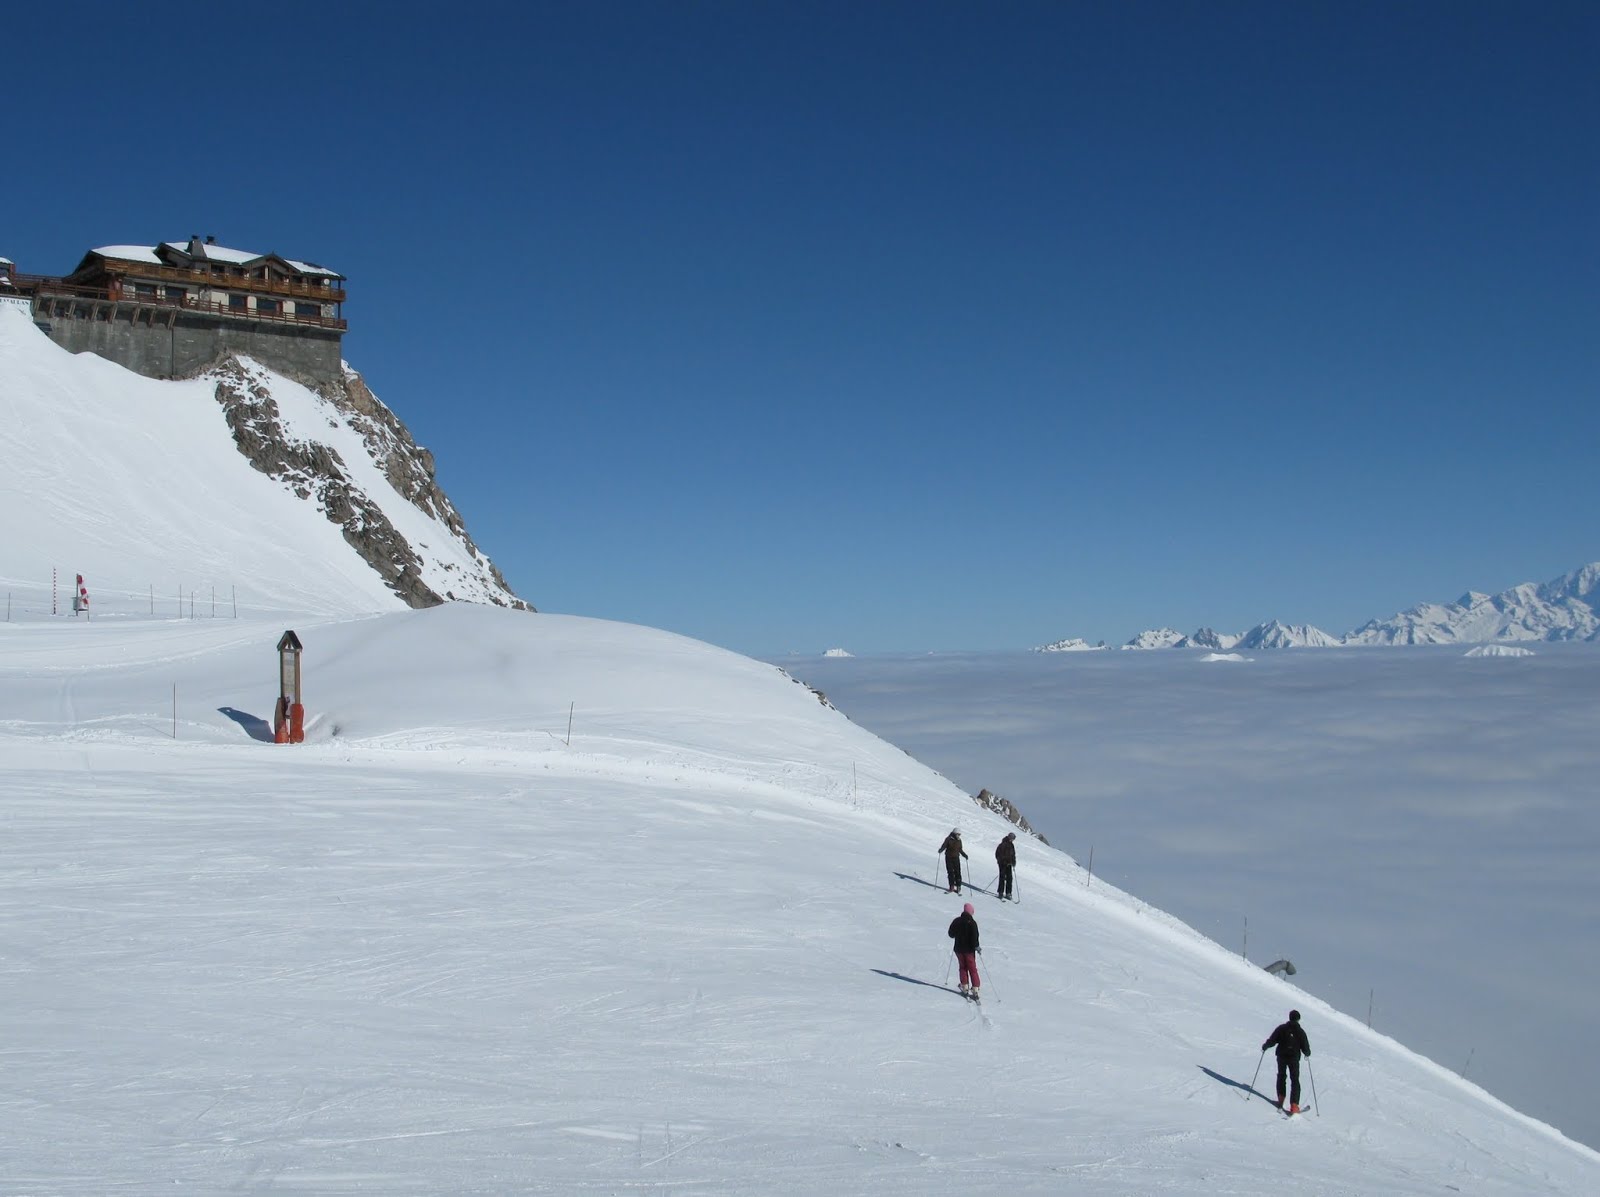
{"type": "Point", "coordinates": [174, 710]}
{"type": "Point", "coordinates": [570, 709]}
{"type": "Point", "coordinates": [1090, 877]}
{"type": "Point", "coordinates": [235, 591]}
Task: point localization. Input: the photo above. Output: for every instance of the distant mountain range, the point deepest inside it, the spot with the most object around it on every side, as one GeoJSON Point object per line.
{"type": "Point", "coordinates": [1564, 608]}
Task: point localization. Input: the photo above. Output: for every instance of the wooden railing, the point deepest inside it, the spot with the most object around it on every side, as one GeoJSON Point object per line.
{"type": "Point", "coordinates": [41, 287]}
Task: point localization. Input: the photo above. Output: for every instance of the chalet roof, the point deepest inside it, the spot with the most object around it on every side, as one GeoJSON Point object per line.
{"type": "Point", "coordinates": [193, 251]}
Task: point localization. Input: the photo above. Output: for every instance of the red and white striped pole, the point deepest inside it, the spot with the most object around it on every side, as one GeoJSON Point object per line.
{"type": "Point", "coordinates": [80, 601]}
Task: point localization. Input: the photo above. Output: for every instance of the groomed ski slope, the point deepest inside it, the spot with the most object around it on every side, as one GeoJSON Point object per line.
{"type": "Point", "coordinates": [688, 946]}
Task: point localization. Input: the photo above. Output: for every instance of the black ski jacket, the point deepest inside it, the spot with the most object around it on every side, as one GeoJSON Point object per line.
{"type": "Point", "coordinates": [1006, 852]}
{"type": "Point", "coordinates": [964, 930]}
{"type": "Point", "coordinates": [952, 847]}
{"type": "Point", "coordinates": [1290, 1040]}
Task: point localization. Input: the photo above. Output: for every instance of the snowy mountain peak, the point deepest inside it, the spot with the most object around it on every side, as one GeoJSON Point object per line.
{"type": "Point", "coordinates": [1073, 644]}
{"type": "Point", "coordinates": [1564, 608]}
{"type": "Point", "coordinates": [1156, 638]}
{"type": "Point", "coordinates": [1279, 635]}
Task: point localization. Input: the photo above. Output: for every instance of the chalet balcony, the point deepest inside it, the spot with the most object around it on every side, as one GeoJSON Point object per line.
{"type": "Point", "coordinates": [227, 280]}
{"type": "Point", "coordinates": [55, 297]}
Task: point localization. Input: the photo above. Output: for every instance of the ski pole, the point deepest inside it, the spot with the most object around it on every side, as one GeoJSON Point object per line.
{"type": "Point", "coordinates": [1016, 890]}
{"type": "Point", "coordinates": [992, 988]}
{"type": "Point", "coordinates": [937, 861]}
{"type": "Point", "coordinates": [1255, 1074]}
{"type": "Point", "coordinates": [1313, 1078]}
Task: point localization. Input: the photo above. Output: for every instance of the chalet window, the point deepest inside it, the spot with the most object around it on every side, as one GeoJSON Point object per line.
{"type": "Point", "coordinates": [307, 309]}
{"type": "Point", "coordinates": [144, 290]}
{"type": "Point", "coordinates": [177, 294]}
{"type": "Point", "coordinates": [236, 303]}
{"type": "Point", "coordinates": [268, 307]}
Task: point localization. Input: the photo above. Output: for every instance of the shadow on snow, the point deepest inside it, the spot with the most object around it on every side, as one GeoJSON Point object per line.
{"type": "Point", "coordinates": [1244, 1090]}
{"type": "Point", "coordinates": [941, 887]}
{"type": "Point", "coordinates": [257, 727]}
{"type": "Point", "coordinates": [915, 981]}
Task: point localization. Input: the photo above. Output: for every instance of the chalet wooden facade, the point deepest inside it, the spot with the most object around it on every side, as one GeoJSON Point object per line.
{"type": "Point", "coordinates": [202, 276]}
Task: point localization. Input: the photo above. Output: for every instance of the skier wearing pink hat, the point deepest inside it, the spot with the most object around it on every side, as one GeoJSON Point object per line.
{"type": "Point", "coordinates": [964, 930]}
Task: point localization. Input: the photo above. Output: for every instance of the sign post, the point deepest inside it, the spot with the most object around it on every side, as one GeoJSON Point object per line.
{"type": "Point", "coordinates": [289, 717]}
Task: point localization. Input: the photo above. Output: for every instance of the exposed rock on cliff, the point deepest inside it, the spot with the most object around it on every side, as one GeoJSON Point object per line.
{"type": "Point", "coordinates": [315, 471]}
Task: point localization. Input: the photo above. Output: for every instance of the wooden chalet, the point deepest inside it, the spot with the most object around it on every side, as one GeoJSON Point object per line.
{"type": "Point", "coordinates": [199, 276]}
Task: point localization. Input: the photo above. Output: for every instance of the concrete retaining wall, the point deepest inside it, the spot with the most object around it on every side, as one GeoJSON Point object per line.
{"type": "Point", "coordinates": [194, 342]}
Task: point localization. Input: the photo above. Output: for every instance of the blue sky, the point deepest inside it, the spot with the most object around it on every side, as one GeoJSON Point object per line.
{"type": "Point", "coordinates": [905, 326]}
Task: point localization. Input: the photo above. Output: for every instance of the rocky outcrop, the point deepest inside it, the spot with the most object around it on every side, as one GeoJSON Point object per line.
{"type": "Point", "coordinates": [1002, 806]}
{"type": "Point", "coordinates": [317, 473]}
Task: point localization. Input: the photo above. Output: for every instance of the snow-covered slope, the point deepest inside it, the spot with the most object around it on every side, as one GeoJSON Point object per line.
{"type": "Point", "coordinates": [548, 904]}
{"type": "Point", "coordinates": [240, 483]}
{"type": "Point", "coordinates": [554, 905]}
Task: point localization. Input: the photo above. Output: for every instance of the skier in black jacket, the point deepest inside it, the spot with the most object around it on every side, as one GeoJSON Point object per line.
{"type": "Point", "coordinates": [1005, 855]}
{"type": "Point", "coordinates": [964, 930]}
{"type": "Point", "coordinates": [1291, 1042]}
